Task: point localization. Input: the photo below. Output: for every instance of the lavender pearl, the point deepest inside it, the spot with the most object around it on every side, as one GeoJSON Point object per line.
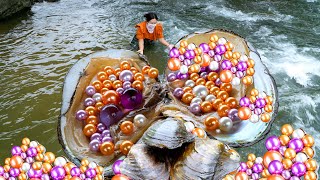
{"type": "Point", "coordinates": [45, 177]}
{"type": "Point", "coordinates": [106, 139]}
{"type": "Point", "coordinates": [211, 53]}
{"type": "Point", "coordinates": [120, 90]}
{"type": "Point", "coordinates": [257, 168]}
{"type": "Point", "coordinates": [75, 171]}
{"type": "Point", "coordinates": [249, 172]}
{"type": "Point", "coordinates": [82, 176]}
{"type": "Point", "coordinates": [182, 76]}
{"type": "Point", "coordinates": [194, 108]}
{"type": "Point", "coordinates": [255, 176]}
{"type": "Point", "coordinates": [275, 167]}
{"type": "Point", "coordinates": [218, 82]}
{"type": "Point", "coordinates": [243, 167]}
{"type": "Point", "coordinates": [187, 62]}
{"type": "Point", "coordinates": [220, 49]}
{"type": "Point", "coordinates": [294, 178]}
{"type": "Point", "coordinates": [90, 90]}
{"type": "Point", "coordinates": [260, 103]}
{"type": "Point", "coordinates": [178, 92]}
{"type": "Point", "coordinates": [29, 160]}
{"type": "Point", "coordinates": [181, 57]}
{"type": "Point", "coordinates": [252, 107]}
{"type": "Point", "coordinates": [217, 57]}
{"type": "Point", "coordinates": [116, 166]}
{"type": "Point", "coordinates": [298, 169]}
{"type": "Point", "coordinates": [14, 172]}
{"type": "Point", "coordinates": [171, 77]}
{"type": "Point", "coordinates": [126, 75]}
{"type": "Point", "coordinates": [57, 173]}
{"type": "Point", "coordinates": [101, 127]}
{"type": "Point", "coordinates": [296, 144]}
{"type": "Point", "coordinates": [239, 74]}
{"type": "Point", "coordinates": [286, 174]}
{"type": "Point", "coordinates": [89, 102]}
{"type": "Point", "coordinates": [81, 115]}
{"type": "Point", "coordinates": [226, 65]}
{"type": "Point", "coordinates": [204, 75]}
{"type": "Point", "coordinates": [6, 175]}
{"type": "Point", "coordinates": [257, 111]}
{"type": "Point", "coordinates": [174, 53]}
{"type": "Point", "coordinates": [95, 136]}
{"type": "Point", "coordinates": [23, 155]}
{"type": "Point", "coordinates": [1, 171]}
{"type": "Point", "coordinates": [34, 173]}
{"type": "Point", "coordinates": [32, 152]}
{"type": "Point", "coordinates": [233, 115]}
{"type": "Point", "coordinates": [204, 47]}
{"type": "Point", "coordinates": [282, 149]}
{"type": "Point", "coordinates": [11, 178]}
{"type": "Point", "coordinates": [244, 102]}
{"type": "Point", "coordinates": [91, 173]}
{"type": "Point", "coordinates": [242, 66]}
{"type": "Point", "coordinates": [126, 85]}
{"type": "Point", "coordinates": [16, 150]}
{"type": "Point", "coordinates": [105, 133]}
{"type": "Point", "coordinates": [233, 69]}
{"type": "Point", "coordinates": [189, 54]}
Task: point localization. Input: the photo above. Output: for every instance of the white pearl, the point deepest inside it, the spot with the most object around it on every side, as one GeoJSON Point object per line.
{"type": "Point", "coordinates": [92, 165]}
{"type": "Point", "coordinates": [189, 126]}
{"type": "Point", "coordinates": [196, 100]}
{"type": "Point", "coordinates": [301, 157]}
{"type": "Point", "coordinates": [214, 65]}
{"type": "Point", "coordinates": [191, 46]}
{"type": "Point", "coordinates": [200, 91]}
{"type": "Point", "coordinates": [254, 118]}
{"type": "Point", "coordinates": [298, 133]}
{"type": "Point", "coordinates": [60, 161]}
{"type": "Point", "coordinates": [190, 83]}
{"type": "Point", "coordinates": [33, 144]}
{"type": "Point", "coordinates": [222, 41]}
{"type": "Point", "coordinates": [259, 160]}
{"type": "Point", "coordinates": [112, 77]}
{"type": "Point", "coordinates": [210, 98]}
{"type": "Point", "coordinates": [262, 95]}
{"type": "Point", "coordinates": [184, 69]}
{"type": "Point", "coordinates": [235, 81]}
{"type": "Point", "coordinates": [139, 120]}
{"type": "Point", "coordinates": [25, 167]}
{"type": "Point", "coordinates": [243, 58]}
{"type": "Point", "coordinates": [97, 97]}
{"type": "Point", "coordinates": [225, 124]}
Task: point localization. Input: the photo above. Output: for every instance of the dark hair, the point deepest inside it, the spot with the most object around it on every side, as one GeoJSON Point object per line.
{"type": "Point", "coordinates": [150, 16]}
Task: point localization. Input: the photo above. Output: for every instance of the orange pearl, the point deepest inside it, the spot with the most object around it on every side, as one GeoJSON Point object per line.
{"type": "Point", "coordinates": [182, 50]}
{"type": "Point", "coordinates": [145, 69]}
{"type": "Point", "coordinates": [209, 84]}
{"type": "Point", "coordinates": [265, 173]}
{"type": "Point", "coordinates": [183, 43]}
{"type": "Point", "coordinates": [269, 100]}
{"type": "Point", "coordinates": [265, 117]}
{"type": "Point", "coordinates": [198, 51]}
{"type": "Point", "coordinates": [287, 129]}
{"type": "Point", "coordinates": [229, 46]}
{"type": "Point", "coordinates": [287, 163]}
{"type": "Point", "coordinates": [198, 59]}
{"type": "Point", "coordinates": [26, 141]}
{"type": "Point", "coordinates": [40, 148]}
{"type": "Point", "coordinates": [268, 108]}
{"type": "Point", "coordinates": [39, 157]}
{"type": "Point", "coordinates": [223, 95]}
{"type": "Point", "coordinates": [223, 110]}
{"type": "Point", "coordinates": [138, 85]}
{"type": "Point", "coordinates": [309, 151]}
{"type": "Point", "coordinates": [6, 168]}
{"type": "Point", "coordinates": [99, 169]}
{"type": "Point", "coordinates": [284, 140]}
{"type": "Point", "coordinates": [250, 71]}
{"type": "Point", "coordinates": [212, 76]}
{"type": "Point", "coordinates": [49, 157]}
{"type": "Point", "coordinates": [244, 113]}
{"type": "Point", "coordinates": [254, 92]}
{"type": "Point", "coordinates": [120, 177]}
{"type": "Point", "coordinates": [116, 84]}
{"type": "Point", "coordinates": [250, 63]}
{"type": "Point", "coordinates": [46, 167]}
{"type": "Point", "coordinates": [251, 157]}
{"type": "Point", "coordinates": [24, 148]}
{"type": "Point", "coordinates": [241, 176]}
{"type": "Point", "coordinates": [22, 176]}
{"type": "Point", "coordinates": [89, 129]}
{"type": "Point", "coordinates": [252, 99]}
{"type": "Point", "coordinates": [212, 45]}
{"type": "Point", "coordinates": [214, 38]}
{"type": "Point", "coordinates": [206, 106]}
{"type": "Point", "coordinates": [174, 64]}
{"type": "Point", "coordinates": [134, 70]}
{"type": "Point", "coordinates": [117, 72]}
{"type": "Point", "coordinates": [111, 97]}
{"type": "Point", "coordinates": [211, 123]}
{"type": "Point", "coordinates": [125, 147]}
{"type": "Point", "coordinates": [194, 76]}
{"type": "Point", "coordinates": [194, 68]}
{"type": "Point", "coordinates": [83, 169]}
{"type": "Point", "coordinates": [37, 165]}
{"type": "Point", "coordinates": [236, 55]}
{"type": "Point", "coordinates": [216, 103]}
{"type": "Point", "coordinates": [68, 167]}
{"type": "Point", "coordinates": [200, 81]}
{"type": "Point", "coordinates": [92, 120]}
{"type": "Point", "coordinates": [67, 177]}
{"type": "Point", "coordinates": [139, 76]}
{"type": "Point", "coordinates": [98, 177]}
{"type": "Point", "coordinates": [107, 148]}
{"type": "Point", "coordinates": [101, 76]}
{"type": "Point", "coordinates": [234, 62]}
{"type": "Point", "coordinates": [226, 87]}
{"type": "Point", "coordinates": [215, 90]}
{"type": "Point", "coordinates": [231, 102]}
{"type": "Point", "coordinates": [16, 161]}
{"type": "Point", "coordinates": [109, 70]}
{"type": "Point", "coordinates": [127, 127]}
{"type": "Point", "coordinates": [7, 161]}
{"type": "Point", "coordinates": [311, 165]}
{"type": "Point", "coordinates": [226, 76]}
{"type": "Point", "coordinates": [97, 85]}
{"type": "Point", "coordinates": [199, 132]}
{"type": "Point", "coordinates": [249, 164]}
{"type": "Point", "coordinates": [187, 89]}
{"type": "Point", "coordinates": [91, 110]}
{"type": "Point", "coordinates": [153, 73]}
{"type": "Point", "coordinates": [310, 175]}
{"type": "Point", "coordinates": [247, 80]}
{"type": "Point", "coordinates": [271, 156]}
{"type": "Point", "coordinates": [187, 98]}
{"type": "Point", "coordinates": [107, 84]}
{"type": "Point", "coordinates": [308, 140]}
{"type": "Point", "coordinates": [125, 65]}
{"type": "Point", "coordinates": [275, 177]}
{"type": "Point", "coordinates": [85, 162]}
{"type": "Point", "coordinates": [99, 105]}
{"type": "Point", "coordinates": [205, 60]}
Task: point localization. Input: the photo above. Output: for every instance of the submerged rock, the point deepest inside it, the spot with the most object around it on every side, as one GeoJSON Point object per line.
{"type": "Point", "coordinates": [11, 7]}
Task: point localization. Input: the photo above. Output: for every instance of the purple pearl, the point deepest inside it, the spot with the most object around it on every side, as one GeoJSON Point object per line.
{"type": "Point", "coordinates": [204, 75]}
{"type": "Point", "coordinates": [282, 149]}
{"type": "Point", "coordinates": [249, 172]}
{"type": "Point", "coordinates": [217, 57]}
{"type": "Point", "coordinates": [90, 90]}
{"type": "Point", "coordinates": [220, 49]}
{"type": "Point", "coordinates": [94, 145]}
{"type": "Point", "coordinates": [11, 178]}
{"type": "Point", "coordinates": [16, 150]}
{"type": "Point", "coordinates": [101, 127]}
{"type": "Point", "coordinates": [116, 166]}
{"type": "Point", "coordinates": [296, 144]}
{"type": "Point", "coordinates": [218, 82]}
{"type": "Point", "coordinates": [187, 62]}
{"type": "Point", "coordinates": [110, 114]}
{"type": "Point", "coordinates": [126, 85]}
{"type": "Point", "coordinates": [6, 175]}
{"type": "Point", "coordinates": [298, 169]}
{"type": "Point", "coordinates": [272, 143]}
{"type": "Point", "coordinates": [23, 155]}
{"type": "Point", "coordinates": [1, 171]}
{"type": "Point", "coordinates": [203, 69]}
{"type": "Point", "coordinates": [204, 47]}
{"type": "Point", "coordinates": [244, 102]}
{"type": "Point", "coordinates": [105, 133]}
{"type": "Point", "coordinates": [171, 77]}
{"type": "Point", "coordinates": [89, 102]}
{"type": "Point", "coordinates": [57, 173]}
{"type": "Point", "coordinates": [182, 76]}
{"type": "Point", "coordinates": [82, 176]}
{"type": "Point", "coordinates": [255, 176]}
{"type": "Point", "coordinates": [174, 53]}
{"type": "Point", "coordinates": [91, 173]}
{"type": "Point", "coordinates": [243, 167]}
{"type": "Point", "coordinates": [189, 54]}
{"type": "Point", "coordinates": [257, 168]}
{"type": "Point", "coordinates": [233, 115]}
{"type": "Point", "coordinates": [120, 90]}
{"type": "Point", "coordinates": [233, 70]}
{"type": "Point", "coordinates": [178, 92]}
{"type": "Point", "coordinates": [226, 65]}
{"type": "Point", "coordinates": [257, 111]}
{"type": "Point", "coordinates": [32, 152]}
{"type": "Point", "coordinates": [14, 172]}
{"type": "Point", "coordinates": [106, 139]}
{"type": "Point", "coordinates": [252, 107]}
{"type": "Point", "coordinates": [126, 75]}
{"type": "Point", "coordinates": [81, 115]}
{"type": "Point", "coordinates": [181, 57]}
{"type": "Point", "coordinates": [275, 167]}
{"type": "Point", "coordinates": [242, 66]}
{"type": "Point", "coordinates": [294, 178]}
{"type": "Point", "coordinates": [194, 108]}
{"type": "Point", "coordinates": [34, 173]}
{"type": "Point", "coordinates": [211, 53]}
{"type": "Point", "coordinates": [239, 74]}
{"type": "Point", "coordinates": [75, 171]}
{"type": "Point", "coordinates": [131, 99]}
{"type": "Point", "coordinates": [29, 160]}
{"type": "Point", "coordinates": [286, 174]}
{"type": "Point", "coordinates": [45, 177]}
{"type": "Point", "coordinates": [260, 103]}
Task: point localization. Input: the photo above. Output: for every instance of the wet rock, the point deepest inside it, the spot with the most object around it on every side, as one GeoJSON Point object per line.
{"type": "Point", "coordinates": [10, 7]}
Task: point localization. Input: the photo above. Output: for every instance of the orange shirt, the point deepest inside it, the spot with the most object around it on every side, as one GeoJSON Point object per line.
{"type": "Point", "coordinates": [142, 32]}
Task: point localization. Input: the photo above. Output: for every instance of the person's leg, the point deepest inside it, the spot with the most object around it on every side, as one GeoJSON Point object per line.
{"type": "Point", "coordinates": [134, 44]}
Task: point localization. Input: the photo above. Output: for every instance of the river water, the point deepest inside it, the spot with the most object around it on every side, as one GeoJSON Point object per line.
{"type": "Point", "coordinates": [38, 48]}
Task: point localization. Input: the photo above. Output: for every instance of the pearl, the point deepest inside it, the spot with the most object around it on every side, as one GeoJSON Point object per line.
{"type": "Point", "coordinates": [97, 97]}
{"type": "Point", "coordinates": [298, 133]}
{"type": "Point", "coordinates": [243, 58]}
{"type": "Point", "coordinates": [33, 144]}
{"type": "Point", "coordinates": [235, 81]}
{"type": "Point", "coordinates": [262, 95]}
{"type": "Point", "coordinates": [189, 126]}
{"type": "Point", "coordinates": [92, 165]}
{"type": "Point", "coordinates": [60, 161]}
{"type": "Point", "coordinates": [25, 167]}
{"type": "Point", "coordinates": [210, 98]}
{"type": "Point", "coordinates": [139, 120]}
{"type": "Point", "coordinates": [301, 157]}
{"type": "Point", "coordinates": [112, 77]}
{"type": "Point", "coordinates": [196, 100]}
{"type": "Point", "coordinates": [259, 160]}
{"type": "Point", "coordinates": [190, 83]}
{"type": "Point", "coordinates": [214, 65]}
{"type": "Point", "coordinates": [194, 108]}
{"type": "Point", "coordinates": [126, 85]}
{"type": "Point", "coordinates": [225, 124]}
{"type": "Point", "coordinates": [254, 118]}
{"type": "Point", "coordinates": [184, 69]}
{"type": "Point", "coordinates": [222, 41]}
{"type": "Point", "coordinates": [200, 91]}
{"type": "Point", "coordinates": [191, 46]}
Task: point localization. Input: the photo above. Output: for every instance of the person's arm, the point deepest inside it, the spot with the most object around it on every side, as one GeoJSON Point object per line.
{"type": "Point", "coordinates": [139, 36]}
{"type": "Point", "coordinates": [141, 45]}
{"type": "Point", "coordinates": [164, 42]}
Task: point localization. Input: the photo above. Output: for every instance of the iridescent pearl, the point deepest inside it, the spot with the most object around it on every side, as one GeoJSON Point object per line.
{"type": "Point", "coordinates": [178, 92]}
{"type": "Point", "coordinates": [214, 65]}
{"type": "Point", "coordinates": [187, 62]}
{"type": "Point", "coordinates": [95, 136]}
{"type": "Point", "coordinates": [204, 75]}
{"type": "Point", "coordinates": [196, 100]}
{"type": "Point", "coordinates": [120, 90]}
{"type": "Point", "coordinates": [184, 69]}
{"type": "Point", "coordinates": [222, 41]}
{"type": "Point", "coordinates": [217, 57]}
{"type": "Point", "coordinates": [191, 46]}
{"type": "Point", "coordinates": [97, 97]}
{"type": "Point", "coordinates": [89, 102]}
{"type": "Point", "coordinates": [298, 133]}
{"type": "Point", "coordinates": [190, 83]}
{"type": "Point", "coordinates": [233, 115]}
{"type": "Point", "coordinates": [259, 160]}
{"type": "Point", "coordinates": [25, 167]}
{"type": "Point", "coordinates": [33, 144]}
{"type": "Point", "coordinates": [81, 115]}
{"type": "Point", "coordinates": [139, 120]}
{"type": "Point", "coordinates": [126, 85]}
{"type": "Point", "coordinates": [92, 165]}
{"type": "Point", "coordinates": [243, 58]}
{"type": "Point", "coordinates": [94, 145]}
{"type": "Point", "coordinates": [301, 157]}
{"type": "Point", "coordinates": [101, 127]}
{"type": "Point", "coordinates": [106, 139]}
{"type": "Point", "coordinates": [225, 124]}
{"type": "Point", "coordinates": [254, 118]}
{"type": "Point", "coordinates": [171, 77]}
{"type": "Point", "coordinates": [200, 91]}
{"type": "Point", "coordinates": [189, 126]}
{"type": "Point", "coordinates": [235, 81]}
{"type": "Point", "coordinates": [90, 90]}
{"type": "Point", "coordinates": [60, 161]}
{"type": "Point", "coordinates": [210, 98]}
{"type": "Point", "coordinates": [194, 108]}
{"type": "Point", "coordinates": [113, 77]}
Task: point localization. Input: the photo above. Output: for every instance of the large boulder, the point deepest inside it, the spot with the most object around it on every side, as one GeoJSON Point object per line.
{"type": "Point", "coordinates": [10, 7]}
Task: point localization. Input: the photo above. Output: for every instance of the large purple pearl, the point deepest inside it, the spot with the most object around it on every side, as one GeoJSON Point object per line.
{"type": "Point", "coordinates": [110, 114]}
{"type": "Point", "coordinates": [296, 144]}
{"type": "Point", "coordinates": [174, 53]}
{"type": "Point", "coordinates": [220, 49]}
{"type": "Point", "coordinates": [233, 115]}
{"type": "Point", "coordinates": [116, 166]}
{"type": "Point", "coordinates": [126, 75]}
{"type": "Point", "coordinates": [31, 151]}
{"type": "Point", "coordinates": [286, 174]}
{"type": "Point", "coordinates": [194, 108]}
{"type": "Point", "coordinates": [243, 167]}
{"type": "Point", "coordinates": [14, 172]}
{"type": "Point", "coordinates": [89, 102]}
{"type": "Point", "coordinates": [75, 171]}
{"type": "Point", "coordinates": [101, 127]}
{"type": "Point", "coordinates": [273, 143]}
{"type": "Point", "coordinates": [81, 115]}
{"type": "Point", "coordinates": [91, 173]}
{"type": "Point", "coordinates": [178, 92]}
{"type": "Point", "coordinates": [260, 103]}
{"type": "Point", "coordinates": [182, 76]}
{"type": "Point", "coordinates": [1, 170]}
{"type": "Point", "coordinates": [34, 173]}
{"type": "Point", "coordinates": [16, 150]}
{"type": "Point", "coordinates": [275, 167]}
{"type": "Point", "coordinates": [131, 98]}
{"type": "Point", "coordinates": [298, 169]}
{"type": "Point", "coordinates": [211, 53]}
{"type": "Point", "coordinates": [171, 77]}
{"type": "Point", "coordinates": [244, 102]}
{"type": "Point", "coordinates": [94, 145]}
{"type": "Point", "coordinates": [58, 173]}
{"type": "Point", "coordinates": [257, 168]}
{"type": "Point", "coordinates": [226, 65]}
{"type": "Point", "coordinates": [239, 74]}
{"type": "Point", "coordinates": [204, 47]}
{"type": "Point", "coordinates": [90, 90]}
{"type": "Point", "coordinates": [187, 62]}
{"type": "Point", "coordinates": [189, 54]}
{"type": "Point", "coordinates": [242, 66]}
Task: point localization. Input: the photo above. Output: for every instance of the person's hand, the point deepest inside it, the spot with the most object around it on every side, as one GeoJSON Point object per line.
{"type": "Point", "coordinates": [170, 46]}
{"type": "Point", "coordinates": [140, 51]}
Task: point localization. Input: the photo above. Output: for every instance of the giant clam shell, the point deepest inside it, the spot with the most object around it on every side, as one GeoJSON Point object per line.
{"type": "Point", "coordinates": [244, 133]}
{"type": "Point", "coordinates": [75, 144]}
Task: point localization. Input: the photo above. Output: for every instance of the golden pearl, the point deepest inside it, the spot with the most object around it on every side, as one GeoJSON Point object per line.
{"type": "Point", "coordinates": [309, 151]}
{"type": "Point", "coordinates": [125, 147]}
{"type": "Point", "coordinates": [194, 76]}
{"type": "Point", "coordinates": [206, 106]}
{"type": "Point", "coordinates": [84, 162]}
{"type": "Point", "coordinates": [308, 140]}
{"type": "Point", "coordinates": [109, 70]}
{"type": "Point", "coordinates": [310, 175]}
{"type": "Point", "coordinates": [290, 153]}
{"type": "Point", "coordinates": [287, 129]}
{"type": "Point", "coordinates": [107, 148]}
{"type": "Point", "coordinates": [223, 95]}
{"type": "Point", "coordinates": [37, 165]}
{"type": "Point", "coordinates": [22, 176]}
{"type": "Point", "coordinates": [26, 141]}
{"type": "Point", "coordinates": [125, 65]}
{"type": "Point", "coordinates": [145, 69]}
{"type": "Point", "coordinates": [284, 140]}
{"type": "Point", "coordinates": [199, 132]}
{"type": "Point", "coordinates": [127, 127]}
{"type": "Point", "coordinates": [187, 98]}
{"type": "Point", "coordinates": [139, 76]}
{"type": "Point", "coordinates": [236, 55]}
{"type": "Point", "coordinates": [311, 165]}
{"type": "Point", "coordinates": [215, 90]}
{"type": "Point", "coordinates": [247, 80]}
{"type": "Point", "coordinates": [212, 76]}
{"type": "Point", "coordinates": [214, 38]}
{"type": "Point", "coordinates": [49, 157]}
{"type": "Point", "coordinates": [287, 163]}
{"type": "Point", "coordinates": [211, 123]}
{"type": "Point", "coordinates": [46, 167]}
{"type": "Point", "coordinates": [153, 73]}
{"type": "Point", "coordinates": [200, 81]}
{"type": "Point", "coordinates": [251, 157]}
